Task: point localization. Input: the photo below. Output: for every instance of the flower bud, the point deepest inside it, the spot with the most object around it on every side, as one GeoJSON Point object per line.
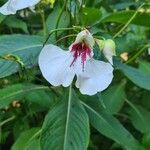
{"type": "Point", "coordinates": [108, 48]}
{"type": "Point", "coordinates": [100, 43]}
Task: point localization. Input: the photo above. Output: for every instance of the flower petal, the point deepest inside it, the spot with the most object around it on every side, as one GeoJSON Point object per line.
{"type": "Point", "coordinates": [6, 10]}
{"type": "Point", "coordinates": [21, 4]}
{"type": "Point", "coordinates": [109, 58]}
{"type": "Point", "coordinates": [55, 65]}
{"type": "Point", "coordinates": [96, 77]}
{"type": "Point", "coordinates": [13, 5]}
{"type": "Point", "coordinates": [86, 36]}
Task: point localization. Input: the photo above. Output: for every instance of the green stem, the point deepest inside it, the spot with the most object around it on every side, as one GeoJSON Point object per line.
{"type": "Point", "coordinates": [128, 22]}
{"type": "Point", "coordinates": [7, 120]}
{"type": "Point", "coordinates": [138, 53]}
{"type": "Point", "coordinates": [68, 115]}
{"type": "Point", "coordinates": [44, 23]}
{"type": "Point", "coordinates": [60, 15]}
{"type": "Point", "coordinates": [59, 29]}
{"type": "Point", "coordinates": [67, 36]}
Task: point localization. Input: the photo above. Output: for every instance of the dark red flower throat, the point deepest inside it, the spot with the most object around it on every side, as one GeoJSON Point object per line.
{"type": "Point", "coordinates": [80, 50]}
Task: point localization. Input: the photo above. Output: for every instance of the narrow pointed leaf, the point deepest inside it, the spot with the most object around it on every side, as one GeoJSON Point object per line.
{"type": "Point", "coordinates": [114, 102]}
{"type": "Point", "coordinates": [140, 118]}
{"type": "Point", "coordinates": [137, 76]}
{"type": "Point", "coordinates": [66, 127]}
{"type": "Point", "coordinates": [109, 126]}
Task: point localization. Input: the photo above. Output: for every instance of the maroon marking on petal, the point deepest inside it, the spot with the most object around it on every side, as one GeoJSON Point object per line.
{"type": "Point", "coordinates": [80, 50]}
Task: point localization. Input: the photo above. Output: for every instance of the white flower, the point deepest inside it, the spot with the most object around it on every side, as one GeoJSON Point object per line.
{"type": "Point", "coordinates": [108, 48]}
{"type": "Point", "coordinates": [59, 67]}
{"type": "Point", "coordinates": [12, 6]}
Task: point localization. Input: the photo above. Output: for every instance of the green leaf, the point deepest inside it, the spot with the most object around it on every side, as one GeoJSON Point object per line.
{"type": "Point", "coordinates": [114, 97]}
{"type": "Point", "coordinates": [66, 127]}
{"type": "Point", "coordinates": [137, 76]}
{"type": "Point", "coordinates": [26, 47]}
{"type": "Point", "coordinates": [2, 17]}
{"type": "Point", "coordinates": [144, 66]}
{"type": "Point", "coordinates": [24, 139]}
{"type": "Point", "coordinates": [109, 126]}
{"type": "Point", "coordinates": [140, 118]}
{"type": "Point", "coordinates": [123, 4]}
{"type": "Point", "coordinates": [146, 141]}
{"type": "Point", "coordinates": [90, 16]}
{"type": "Point", "coordinates": [124, 43]}
{"type": "Point", "coordinates": [53, 18]}
{"type": "Point", "coordinates": [33, 145]}
{"type": "Point", "coordinates": [74, 7]}
{"type": "Point", "coordinates": [17, 91]}
{"type": "Point", "coordinates": [13, 22]}
{"type": "Point", "coordinates": [40, 100]}
{"type": "Point", "coordinates": [123, 16]}
{"type": "Point", "coordinates": [145, 99]}
{"type": "Point", "coordinates": [51, 22]}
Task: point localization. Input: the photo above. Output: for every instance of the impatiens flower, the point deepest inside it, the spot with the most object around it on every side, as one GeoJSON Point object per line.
{"type": "Point", "coordinates": [108, 48]}
{"type": "Point", "coordinates": [59, 67]}
{"type": "Point", "coordinates": [12, 6]}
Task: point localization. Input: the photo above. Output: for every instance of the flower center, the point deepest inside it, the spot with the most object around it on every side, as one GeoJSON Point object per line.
{"type": "Point", "coordinates": [80, 50]}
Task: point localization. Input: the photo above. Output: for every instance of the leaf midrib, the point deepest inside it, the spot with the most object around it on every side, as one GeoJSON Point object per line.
{"type": "Point", "coordinates": [24, 48]}
{"type": "Point", "coordinates": [67, 119]}
{"type": "Point", "coordinates": [97, 114]}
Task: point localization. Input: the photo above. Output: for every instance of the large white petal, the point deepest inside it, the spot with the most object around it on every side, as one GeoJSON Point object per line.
{"type": "Point", "coordinates": [5, 10]}
{"type": "Point", "coordinates": [21, 4]}
{"type": "Point", "coordinates": [13, 5]}
{"type": "Point", "coordinates": [109, 58]}
{"type": "Point", "coordinates": [55, 65]}
{"type": "Point", "coordinates": [96, 77]}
